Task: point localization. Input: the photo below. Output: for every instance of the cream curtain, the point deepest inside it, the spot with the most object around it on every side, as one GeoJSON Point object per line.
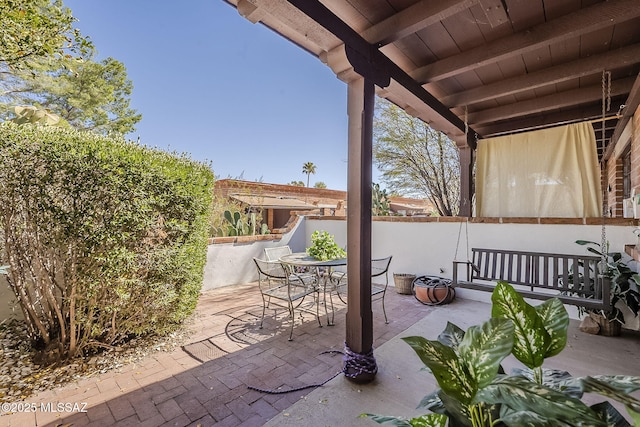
{"type": "Point", "coordinates": [547, 173]}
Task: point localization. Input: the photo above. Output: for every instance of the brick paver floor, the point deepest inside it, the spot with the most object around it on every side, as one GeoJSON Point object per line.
{"type": "Point", "coordinates": [205, 383]}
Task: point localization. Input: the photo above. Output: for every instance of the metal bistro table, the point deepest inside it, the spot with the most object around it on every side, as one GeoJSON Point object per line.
{"type": "Point", "coordinates": [302, 259]}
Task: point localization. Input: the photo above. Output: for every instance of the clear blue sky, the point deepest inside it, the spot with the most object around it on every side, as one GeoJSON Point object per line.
{"type": "Point", "coordinates": [212, 84]}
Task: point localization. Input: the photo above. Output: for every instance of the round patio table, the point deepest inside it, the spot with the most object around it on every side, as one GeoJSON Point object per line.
{"type": "Point", "coordinates": [302, 259]}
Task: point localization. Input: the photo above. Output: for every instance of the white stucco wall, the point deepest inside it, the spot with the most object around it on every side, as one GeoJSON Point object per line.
{"type": "Point", "coordinates": [417, 247]}
{"type": "Point", "coordinates": [430, 247]}
{"type": "Point", "coordinates": [232, 263]}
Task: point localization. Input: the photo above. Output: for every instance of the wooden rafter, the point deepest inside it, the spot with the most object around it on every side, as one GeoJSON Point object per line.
{"type": "Point", "coordinates": [552, 117]}
{"type": "Point", "coordinates": [545, 103]}
{"type": "Point", "coordinates": [412, 19]}
{"type": "Point", "coordinates": [557, 74]}
{"type": "Point", "coordinates": [593, 18]}
{"type": "Point", "coordinates": [630, 106]}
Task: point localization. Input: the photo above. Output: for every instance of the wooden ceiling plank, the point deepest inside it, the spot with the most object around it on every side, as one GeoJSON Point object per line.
{"type": "Point", "coordinates": [525, 14]}
{"type": "Point", "coordinates": [584, 21]}
{"type": "Point", "coordinates": [557, 74]}
{"type": "Point", "coordinates": [494, 12]}
{"type": "Point", "coordinates": [549, 102]}
{"type": "Point", "coordinates": [412, 19]}
{"type": "Point", "coordinates": [631, 104]}
{"type": "Point", "coordinates": [548, 119]}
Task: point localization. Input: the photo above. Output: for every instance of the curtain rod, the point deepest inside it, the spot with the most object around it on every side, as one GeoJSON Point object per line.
{"type": "Point", "coordinates": [617, 116]}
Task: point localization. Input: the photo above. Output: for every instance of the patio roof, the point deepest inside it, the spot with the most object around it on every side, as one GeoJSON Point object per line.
{"type": "Point", "coordinates": [500, 67]}
{"type": "Point", "coordinates": [272, 202]}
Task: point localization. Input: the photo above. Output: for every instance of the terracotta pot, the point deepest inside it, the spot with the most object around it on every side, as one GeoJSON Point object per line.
{"type": "Point", "coordinates": [432, 291]}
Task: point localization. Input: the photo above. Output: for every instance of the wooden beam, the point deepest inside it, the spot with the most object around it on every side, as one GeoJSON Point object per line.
{"type": "Point", "coordinates": [494, 11]}
{"type": "Point", "coordinates": [550, 102]}
{"type": "Point", "coordinates": [546, 119]}
{"type": "Point", "coordinates": [593, 18]}
{"type": "Point", "coordinates": [328, 20]}
{"type": "Point", "coordinates": [631, 104]}
{"type": "Point", "coordinates": [414, 18]}
{"type": "Point", "coordinates": [560, 73]}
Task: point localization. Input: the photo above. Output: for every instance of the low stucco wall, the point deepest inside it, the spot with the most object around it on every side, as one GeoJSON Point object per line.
{"type": "Point", "coordinates": [429, 245]}
{"type": "Point", "coordinates": [230, 262]}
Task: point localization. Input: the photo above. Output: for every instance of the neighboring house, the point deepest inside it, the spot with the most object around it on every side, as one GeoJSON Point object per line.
{"type": "Point", "coordinates": [277, 201]}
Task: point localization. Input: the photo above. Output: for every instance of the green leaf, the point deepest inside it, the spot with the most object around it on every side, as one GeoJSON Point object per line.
{"type": "Point", "coordinates": [556, 322]}
{"type": "Point", "coordinates": [428, 420]}
{"type": "Point", "coordinates": [432, 402]}
{"type": "Point", "coordinates": [635, 416]}
{"type": "Point", "coordinates": [610, 389]}
{"type": "Point", "coordinates": [531, 338]}
{"type": "Point", "coordinates": [451, 336]}
{"type": "Point", "coordinates": [522, 395]}
{"type": "Point", "coordinates": [528, 418]}
{"type": "Point", "coordinates": [624, 383]}
{"type": "Point", "coordinates": [554, 378]}
{"type": "Point", "coordinates": [610, 415]}
{"type": "Point", "coordinates": [484, 347]}
{"type": "Point", "coordinates": [457, 412]}
{"type": "Point", "coordinates": [448, 370]}
{"type": "Point", "coordinates": [383, 419]}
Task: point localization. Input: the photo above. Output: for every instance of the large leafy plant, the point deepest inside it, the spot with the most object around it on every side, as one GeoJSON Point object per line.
{"type": "Point", "coordinates": [625, 283]}
{"type": "Point", "coordinates": [475, 392]}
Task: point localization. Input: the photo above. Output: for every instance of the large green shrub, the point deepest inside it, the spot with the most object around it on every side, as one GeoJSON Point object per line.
{"type": "Point", "coordinates": [105, 239]}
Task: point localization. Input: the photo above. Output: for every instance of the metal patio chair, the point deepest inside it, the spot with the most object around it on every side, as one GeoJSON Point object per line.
{"type": "Point", "coordinates": [379, 282]}
{"type": "Point", "coordinates": [281, 286]}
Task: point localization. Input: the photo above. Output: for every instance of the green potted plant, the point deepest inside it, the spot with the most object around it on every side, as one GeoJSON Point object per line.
{"type": "Point", "coordinates": [324, 248]}
{"type": "Point", "coordinates": [474, 391]}
{"type": "Point", "coordinates": [624, 290]}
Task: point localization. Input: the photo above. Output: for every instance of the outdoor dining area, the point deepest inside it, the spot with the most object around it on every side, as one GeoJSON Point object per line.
{"type": "Point", "coordinates": [286, 278]}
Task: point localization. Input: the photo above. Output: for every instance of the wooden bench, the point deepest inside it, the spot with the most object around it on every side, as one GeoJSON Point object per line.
{"type": "Point", "coordinates": [538, 275]}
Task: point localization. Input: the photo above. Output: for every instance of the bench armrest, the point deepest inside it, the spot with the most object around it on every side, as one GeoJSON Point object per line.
{"type": "Point", "coordinates": [470, 267]}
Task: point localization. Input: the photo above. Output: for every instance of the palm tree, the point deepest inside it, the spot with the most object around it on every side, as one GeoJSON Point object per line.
{"type": "Point", "coordinates": [308, 168]}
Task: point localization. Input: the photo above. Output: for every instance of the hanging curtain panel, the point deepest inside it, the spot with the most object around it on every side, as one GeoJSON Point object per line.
{"type": "Point", "coordinates": [547, 173]}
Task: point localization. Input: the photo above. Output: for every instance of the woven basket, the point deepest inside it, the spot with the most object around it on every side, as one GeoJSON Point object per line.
{"type": "Point", "coordinates": [607, 328]}
{"type": "Point", "coordinates": [403, 283]}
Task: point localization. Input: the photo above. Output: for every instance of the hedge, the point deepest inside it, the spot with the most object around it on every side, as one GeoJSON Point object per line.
{"type": "Point", "coordinates": [105, 239]}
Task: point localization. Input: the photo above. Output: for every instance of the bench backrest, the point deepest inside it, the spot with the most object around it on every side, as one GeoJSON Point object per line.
{"type": "Point", "coordinates": [577, 274]}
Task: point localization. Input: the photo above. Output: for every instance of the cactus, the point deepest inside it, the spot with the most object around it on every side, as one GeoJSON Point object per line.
{"type": "Point", "coordinates": [241, 225]}
{"type": "Point", "coordinates": [379, 201]}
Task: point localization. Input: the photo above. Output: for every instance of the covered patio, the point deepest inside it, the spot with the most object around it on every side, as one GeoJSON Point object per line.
{"type": "Point", "coordinates": [473, 69]}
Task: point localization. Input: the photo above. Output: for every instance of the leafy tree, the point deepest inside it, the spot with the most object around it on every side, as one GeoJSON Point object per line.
{"type": "Point", "coordinates": [416, 160]}
{"type": "Point", "coordinates": [36, 29]}
{"type": "Point", "coordinates": [308, 168]}
{"type": "Point", "coordinates": [297, 183]}
{"type": "Point", "coordinates": [86, 94]}
{"type": "Point", "coordinates": [48, 64]}
{"type": "Point", "coordinates": [319, 184]}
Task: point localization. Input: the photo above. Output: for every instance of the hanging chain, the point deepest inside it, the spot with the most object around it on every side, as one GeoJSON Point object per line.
{"type": "Point", "coordinates": [466, 135]}
{"type": "Point", "coordinates": [606, 106]}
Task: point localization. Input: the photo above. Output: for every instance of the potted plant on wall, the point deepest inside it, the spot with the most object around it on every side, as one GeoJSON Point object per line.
{"type": "Point", "coordinates": [625, 286]}
{"type": "Point", "coordinates": [323, 247]}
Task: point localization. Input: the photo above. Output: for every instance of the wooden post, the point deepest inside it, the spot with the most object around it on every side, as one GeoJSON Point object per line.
{"type": "Point", "coordinates": [466, 179]}
{"type": "Point", "coordinates": [359, 324]}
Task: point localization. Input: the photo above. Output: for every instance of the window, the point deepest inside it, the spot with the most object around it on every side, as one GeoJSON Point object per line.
{"type": "Point", "coordinates": [626, 173]}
